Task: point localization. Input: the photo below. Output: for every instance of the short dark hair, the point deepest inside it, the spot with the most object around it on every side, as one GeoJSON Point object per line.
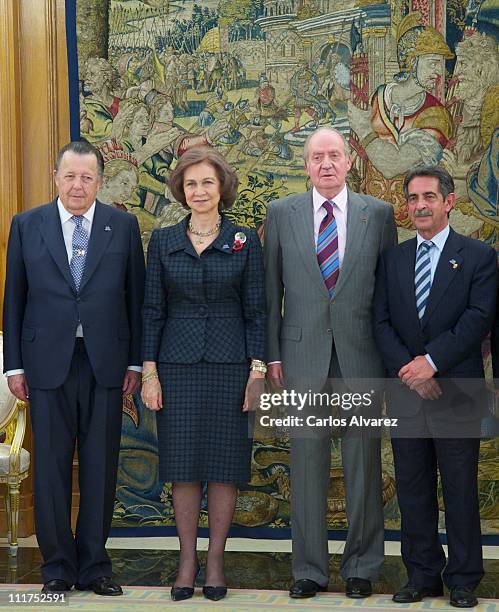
{"type": "Point", "coordinates": [226, 175]}
{"type": "Point", "coordinates": [445, 180]}
{"type": "Point", "coordinates": [81, 147]}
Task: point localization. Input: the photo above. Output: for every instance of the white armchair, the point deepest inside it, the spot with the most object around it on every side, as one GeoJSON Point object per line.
{"type": "Point", "coordinates": [14, 460]}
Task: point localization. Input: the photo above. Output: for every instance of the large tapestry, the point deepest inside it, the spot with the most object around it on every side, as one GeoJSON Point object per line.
{"type": "Point", "coordinates": [406, 81]}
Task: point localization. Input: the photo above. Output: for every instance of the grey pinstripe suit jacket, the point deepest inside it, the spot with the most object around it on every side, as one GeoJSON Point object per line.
{"type": "Point", "coordinates": [303, 320]}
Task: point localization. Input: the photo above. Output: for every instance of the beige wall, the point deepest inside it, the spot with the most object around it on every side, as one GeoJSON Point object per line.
{"type": "Point", "coordinates": [34, 123]}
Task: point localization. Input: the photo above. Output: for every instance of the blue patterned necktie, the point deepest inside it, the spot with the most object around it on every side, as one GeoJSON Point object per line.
{"type": "Point", "coordinates": [327, 249]}
{"type": "Point", "coordinates": [79, 254]}
{"type": "Point", "coordinates": [422, 276]}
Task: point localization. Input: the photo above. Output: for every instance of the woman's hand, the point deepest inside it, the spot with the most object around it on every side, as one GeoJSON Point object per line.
{"type": "Point", "coordinates": [254, 388]}
{"type": "Point", "coordinates": [151, 393]}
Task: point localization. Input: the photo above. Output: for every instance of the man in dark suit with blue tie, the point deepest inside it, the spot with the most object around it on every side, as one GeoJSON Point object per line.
{"type": "Point", "coordinates": [434, 304]}
{"type": "Point", "coordinates": [72, 327]}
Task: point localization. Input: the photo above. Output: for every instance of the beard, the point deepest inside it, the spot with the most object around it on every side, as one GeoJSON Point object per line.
{"type": "Point", "coordinates": [468, 91]}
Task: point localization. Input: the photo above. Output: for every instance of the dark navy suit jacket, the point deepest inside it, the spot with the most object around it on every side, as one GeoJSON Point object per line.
{"type": "Point", "coordinates": [42, 308]}
{"type": "Point", "coordinates": [458, 316]}
{"type": "Point", "coordinates": [209, 307]}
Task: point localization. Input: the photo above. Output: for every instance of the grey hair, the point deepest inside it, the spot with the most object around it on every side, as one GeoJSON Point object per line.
{"type": "Point", "coordinates": [321, 130]}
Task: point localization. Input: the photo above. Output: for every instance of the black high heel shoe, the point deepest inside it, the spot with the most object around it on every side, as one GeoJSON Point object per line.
{"type": "Point", "coordinates": [215, 593]}
{"type": "Point", "coordinates": [185, 592]}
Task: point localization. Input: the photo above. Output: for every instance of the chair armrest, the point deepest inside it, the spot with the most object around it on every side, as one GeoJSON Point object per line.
{"type": "Point", "coordinates": [15, 447]}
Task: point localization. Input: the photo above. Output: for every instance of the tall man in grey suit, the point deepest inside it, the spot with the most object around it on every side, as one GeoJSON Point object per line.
{"type": "Point", "coordinates": [321, 250]}
{"type": "Point", "coordinates": [72, 336]}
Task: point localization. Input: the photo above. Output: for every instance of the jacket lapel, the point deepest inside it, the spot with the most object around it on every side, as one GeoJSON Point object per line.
{"type": "Point", "coordinates": [302, 225]}
{"type": "Point", "coordinates": [51, 231]}
{"type": "Point", "coordinates": [100, 237]}
{"type": "Point", "coordinates": [357, 222]}
{"type": "Point", "coordinates": [447, 268]}
{"type": "Point", "coordinates": [178, 239]}
{"type": "Point", "coordinates": [225, 239]}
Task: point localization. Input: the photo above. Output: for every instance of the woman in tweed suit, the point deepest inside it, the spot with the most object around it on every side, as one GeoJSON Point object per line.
{"type": "Point", "coordinates": [204, 330]}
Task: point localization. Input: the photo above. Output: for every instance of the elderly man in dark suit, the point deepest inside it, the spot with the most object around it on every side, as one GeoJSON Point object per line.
{"type": "Point", "coordinates": [321, 249]}
{"type": "Point", "coordinates": [72, 327]}
{"type": "Point", "coordinates": [434, 304]}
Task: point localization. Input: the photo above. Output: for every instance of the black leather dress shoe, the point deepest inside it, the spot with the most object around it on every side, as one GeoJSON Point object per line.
{"type": "Point", "coordinates": [358, 588]}
{"type": "Point", "coordinates": [412, 593]}
{"type": "Point", "coordinates": [56, 586]}
{"type": "Point", "coordinates": [462, 597]}
{"type": "Point", "coordinates": [102, 586]}
{"type": "Point", "coordinates": [214, 592]}
{"type": "Point", "coordinates": [305, 588]}
{"type": "Point", "coordinates": [181, 593]}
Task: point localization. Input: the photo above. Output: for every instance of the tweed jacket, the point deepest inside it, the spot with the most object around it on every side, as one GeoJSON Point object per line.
{"type": "Point", "coordinates": [204, 308]}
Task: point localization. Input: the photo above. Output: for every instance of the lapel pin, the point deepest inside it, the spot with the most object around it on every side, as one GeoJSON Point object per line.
{"type": "Point", "coordinates": [226, 246]}
{"type": "Point", "coordinates": [240, 237]}
{"type": "Point", "coordinates": [107, 228]}
{"type": "Point", "coordinates": [454, 264]}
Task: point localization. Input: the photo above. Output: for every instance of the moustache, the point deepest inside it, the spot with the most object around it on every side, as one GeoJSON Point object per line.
{"type": "Point", "coordinates": [423, 213]}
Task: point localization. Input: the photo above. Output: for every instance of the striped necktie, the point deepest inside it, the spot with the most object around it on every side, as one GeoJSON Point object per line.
{"type": "Point", "coordinates": [422, 276]}
{"type": "Point", "coordinates": [79, 254]}
{"type": "Point", "coordinates": [327, 249]}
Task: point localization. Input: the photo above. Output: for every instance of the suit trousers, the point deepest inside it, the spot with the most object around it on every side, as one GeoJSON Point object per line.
{"type": "Point", "coordinates": [78, 412]}
{"type": "Point", "coordinates": [416, 461]}
{"type": "Point", "coordinates": [310, 472]}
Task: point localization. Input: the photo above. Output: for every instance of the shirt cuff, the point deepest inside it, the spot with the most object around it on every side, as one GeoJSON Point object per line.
{"type": "Point", "coordinates": [271, 362]}
{"type": "Point", "coordinates": [135, 368]}
{"type": "Point", "coordinates": [13, 372]}
{"type": "Point", "coordinates": [430, 361]}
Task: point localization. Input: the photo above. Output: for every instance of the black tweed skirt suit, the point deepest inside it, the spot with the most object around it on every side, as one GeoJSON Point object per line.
{"type": "Point", "coordinates": [204, 319]}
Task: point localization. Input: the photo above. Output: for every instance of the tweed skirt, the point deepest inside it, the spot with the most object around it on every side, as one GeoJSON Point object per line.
{"type": "Point", "coordinates": [203, 435]}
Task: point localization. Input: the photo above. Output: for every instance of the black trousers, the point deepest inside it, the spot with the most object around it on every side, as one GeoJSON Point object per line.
{"type": "Point", "coordinates": [83, 413]}
{"type": "Point", "coordinates": [416, 461]}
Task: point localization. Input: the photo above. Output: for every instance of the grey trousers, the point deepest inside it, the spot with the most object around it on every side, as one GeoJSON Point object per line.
{"type": "Point", "coordinates": [310, 467]}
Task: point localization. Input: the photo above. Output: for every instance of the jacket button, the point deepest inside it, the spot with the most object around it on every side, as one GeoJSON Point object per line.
{"type": "Point", "coordinates": [203, 311]}
{"type": "Point", "coordinates": [329, 331]}
{"type": "Point", "coordinates": [78, 299]}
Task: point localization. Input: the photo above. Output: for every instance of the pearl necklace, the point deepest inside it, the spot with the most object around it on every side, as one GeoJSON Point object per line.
{"type": "Point", "coordinates": [202, 235]}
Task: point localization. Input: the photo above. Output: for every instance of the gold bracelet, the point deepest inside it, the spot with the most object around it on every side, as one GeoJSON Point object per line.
{"type": "Point", "coordinates": [149, 375]}
{"type": "Point", "coordinates": [258, 366]}
{"type": "Point", "coordinates": [258, 362]}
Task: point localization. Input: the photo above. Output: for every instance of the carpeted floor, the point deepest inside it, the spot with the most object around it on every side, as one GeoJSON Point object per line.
{"type": "Point", "coordinates": [238, 600]}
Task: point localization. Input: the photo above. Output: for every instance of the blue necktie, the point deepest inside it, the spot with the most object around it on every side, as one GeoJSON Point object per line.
{"type": "Point", "coordinates": [80, 244]}
{"type": "Point", "coordinates": [422, 276]}
{"type": "Point", "coordinates": [327, 249]}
